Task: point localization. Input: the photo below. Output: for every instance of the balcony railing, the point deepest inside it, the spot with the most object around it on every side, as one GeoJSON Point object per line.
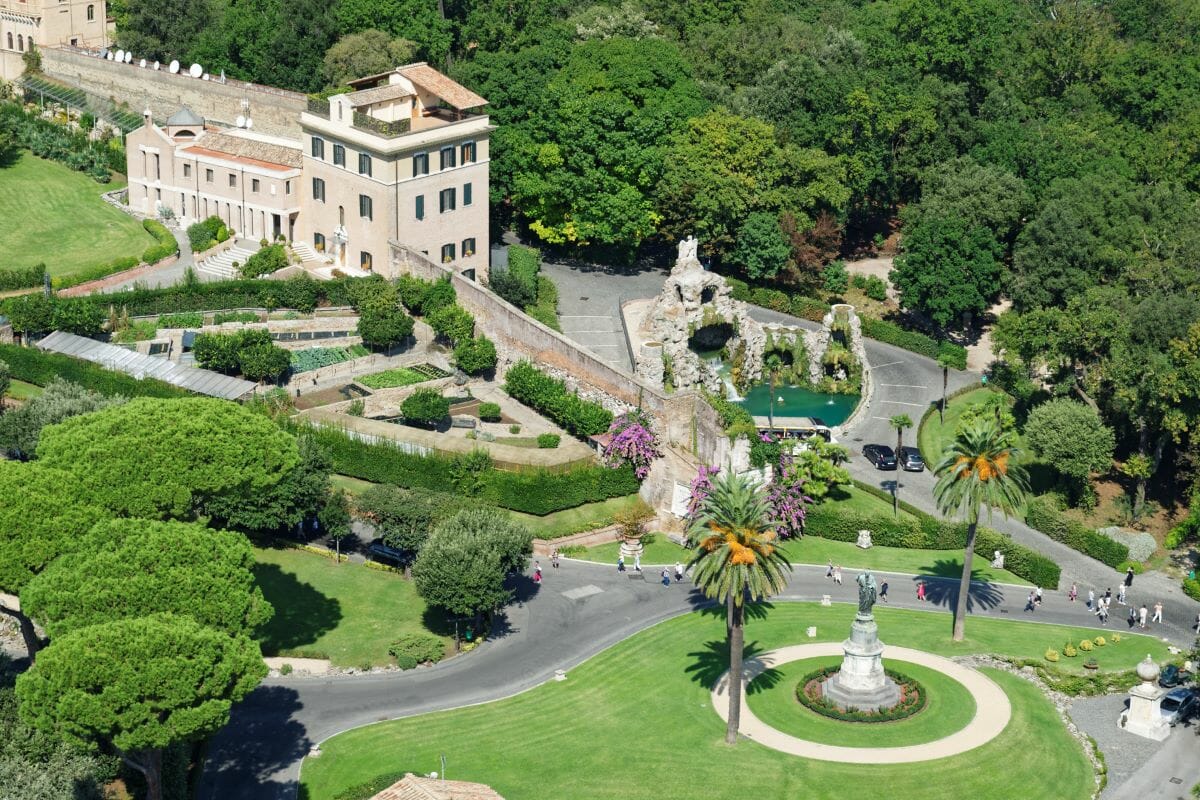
{"type": "Point", "coordinates": [319, 107]}
{"type": "Point", "coordinates": [381, 127]}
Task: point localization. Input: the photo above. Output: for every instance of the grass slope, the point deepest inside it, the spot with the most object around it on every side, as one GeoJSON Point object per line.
{"type": "Point", "coordinates": [345, 612]}
{"type": "Point", "coordinates": [637, 722]}
{"type": "Point", "coordinates": [56, 216]}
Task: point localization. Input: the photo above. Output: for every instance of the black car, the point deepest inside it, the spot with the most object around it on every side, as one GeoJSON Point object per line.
{"type": "Point", "coordinates": [378, 551]}
{"type": "Point", "coordinates": [880, 455]}
{"type": "Point", "coordinates": [910, 460]}
{"type": "Point", "coordinates": [1173, 676]}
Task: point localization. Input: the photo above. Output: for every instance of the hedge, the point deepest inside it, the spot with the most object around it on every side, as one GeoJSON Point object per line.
{"type": "Point", "coordinates": [300, 293]}
{"type": "Point", "coordinates": [922, 531]}
{"type": "Point", "coordinates": [167, 246]}
{"type": "Point", "coordinates": [539, 492]}
{"type": "Point", "coordinates": [35, 366]}
{"type": "Point", "coordinates": [549, 397]}
{"type": "Point", "coordinates": [1041, 513]}
{"type": "Point", "coordinates": [21, 277]}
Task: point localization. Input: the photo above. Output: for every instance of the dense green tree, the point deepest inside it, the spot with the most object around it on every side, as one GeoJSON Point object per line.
{"type": "Point", "coordinates": [135, 686]}
{"type": "Point", "coordinates": [978, 470]}
{"type": "Point", "coordinates": [250, 353]}
{"type": "Point", "coordinates": [19, 428]}
{"type": "Point", "coordinates": [425, 407]}
{"type": "Point", "coordinates": [736, 560]}
{"type": "Point", "coordinates": [161, 30]}
{"type": "Point", "coordinates": [463, 565]}
{"type": "Point", "coordinates": [382, 323]}
{"type": "Point", "coordinates": [1071, 437]}
{"type": "Point", "coordinates": [168, 458]}
{"type": "Point", "coordinates": [37, 766]}
{"type": "Point", "coordinates": [127, 568]}
{"type": "Point", "coordinates": [295, 500]}
{"type": "Point", "coordinates": [472, 356]}
{"type": "Point", "coordinates": [452, 322]}
{"type": "Point", "coordinates": [761, 250]}
{"type": "Point", "coordinates": [263, 362]}
{"type": "Point", "coordinates": [948, 270]}
{"type": "Point", "coordinates": [334, 517]}
{"type": "Point", "coordinates": [367, 52]}
{"type": "Point", "coordinates": [955, 39]}
{"type": "Point", "coordinates": [977, 194]}
{"type": "Point", "coordinates": [488, 26]}
{"type": "Point", "coordinates": [404, 518]}
{"type": "Point", "coordinates": [416, 20]}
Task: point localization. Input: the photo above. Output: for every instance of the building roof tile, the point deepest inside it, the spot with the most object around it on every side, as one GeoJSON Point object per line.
{"type": "Point", "coordinates": [246, 147]}
{"type": "Point", "coordinates": [416, 787]}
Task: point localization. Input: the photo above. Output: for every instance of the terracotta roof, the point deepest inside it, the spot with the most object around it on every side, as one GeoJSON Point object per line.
{"type": "Point", "coordinates": [416, 787]}
{"type": "Point", "coordinates": [429, 79]}
{"type": "Point", "coordinates": [251, 149]}
{"type": "Point", "coordinates": [380, 94]}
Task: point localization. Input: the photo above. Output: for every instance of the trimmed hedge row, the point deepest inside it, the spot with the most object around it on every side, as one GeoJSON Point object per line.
{"type": "Point", "coordinates": [915, 699]}
{"type": "Point", "coordinates": [923, 531]}
{"type": "Point", "coordinates": [300, 293]}
{"type": "Point", "coordinates": [549, 396]}
{"type": "Point", "coordinates": [1042, 514]}
{"type": "Point", "coordinates": [21, 277]}
{"type": "Point", "coordinates": [539, 493]}
{"type": "Point", "coordinates": [34, 366]}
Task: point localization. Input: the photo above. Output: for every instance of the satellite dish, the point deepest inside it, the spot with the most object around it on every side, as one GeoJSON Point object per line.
{"type": "Point", "coordinates": [174, 68]}
{"type": "Point", "coordinates": [108, 56]}
{"type": "Point", "coordinates": [196, 71]}
{"type": "Point", "coordinates": [249, 123]}
{"type": "Point", "coordinates": [207, 77]}
{"type": "Point", "coordinates": [103, 52]}
{"type": "Point", "coordinates": [142, 63]}
{"type": "Point", "coordinates": [240, 121]}
{"type": "Point", "coordinates": [128, 57]}
{"type": "Point", "coordinates": [156, 65]}
{"type": "Point", "coordinates": [120, 55]}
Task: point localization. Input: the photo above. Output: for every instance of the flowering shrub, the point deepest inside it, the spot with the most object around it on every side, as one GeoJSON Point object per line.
{"type": "Point", "coordinates": [633, 443]}
{"type": "Point", "coordinates": [701, 486]}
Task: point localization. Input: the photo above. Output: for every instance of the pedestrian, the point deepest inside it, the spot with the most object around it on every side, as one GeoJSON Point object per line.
{"type": "Point", "coordinates": [1073, 593]}
{"type": "Point", "coordinates": [921, 591]}
{"type": "Point", "coordinates": [1132, 619]}
{"type": "Point", "coordinates": [554, 558]}
{"type": "Point", "coordinates": [1142, 617]}
{"type": "Point", "coordinates": [829, 569]}
{"type": "Point", "coordinates": [1029, 604]}
{"type": "Point", "coordinates": [1157, 612]}
{"type": "Point", "coordinates": [1121, 594]}
{"type": "Point", "coordinates": [883, 592]}
{"type": "Point", "coordinates": [837, 574]}
{"type": "Point", "coordinates": [1108, 596]}
{"type": "Point", "coordinates": [637, 562]}
{"type": "Point", "coordinates": [666, 577]}
{"type": "Point", "coordinates": [537, 572]}
{"type": "Point", "coordinates": [1103, 614]}
{"type": "Point", "coordinates": [1129, 577]}
{"type": "Point", "coordinates": [1091, 603]}
{"type": "Point", "coordinates": [678, 572]}
{"type": "Point", "coordinates": [1037, 595]}
{"type": "Point", "coordinates": [620, 563]}
{"type": "Point", "coordinates": [1198, 623]}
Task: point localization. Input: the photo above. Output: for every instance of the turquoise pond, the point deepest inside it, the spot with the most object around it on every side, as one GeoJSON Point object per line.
{"type": "Point", "coordinates": [795, 401]}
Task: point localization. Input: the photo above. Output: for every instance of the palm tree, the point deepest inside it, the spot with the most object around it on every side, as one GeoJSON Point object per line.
{"type": "Point", "coordinates": [945, 361]}
{"type": "Point", "coordinates": [978, 469]}
{"type": "Point", "coordinates": [774, 365]}
{"type": "Point", "coordinates": [900, 422]}
{"type": "Point", "coordinates": [736, 558]}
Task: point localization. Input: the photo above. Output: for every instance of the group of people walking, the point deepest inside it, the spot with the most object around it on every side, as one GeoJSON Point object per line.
{"type": "Point", "coordinates": [1102, 606]}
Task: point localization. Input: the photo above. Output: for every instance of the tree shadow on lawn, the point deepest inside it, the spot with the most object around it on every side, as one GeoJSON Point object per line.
{"type": "Point", "coordinates": [261, 738]}
{"type": "Point", "coordinates": [712, 661]}
{"type": "Point", "coordinates": [944, 591]}
{"type": "Point", "coordinates": [302, 614]}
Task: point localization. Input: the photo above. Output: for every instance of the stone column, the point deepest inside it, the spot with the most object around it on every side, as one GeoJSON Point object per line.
{"type": "Point", "coordinates": [1144, 718]}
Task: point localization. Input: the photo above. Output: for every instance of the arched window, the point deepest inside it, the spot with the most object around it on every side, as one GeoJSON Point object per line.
{"type": "Point", "coordinates": [91, 12]}
{"type": "Point", "coordinates": [21, 43]}
{"type": "Point", "coordinates": [10, 41]}
{"type": "Point", "coordinates": [341, 215]}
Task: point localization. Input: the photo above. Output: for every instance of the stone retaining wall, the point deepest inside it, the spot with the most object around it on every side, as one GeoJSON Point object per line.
{"type": "Point", "coordinates": [100, 284]}
{"type": "Point", "coordinates": [543, 547]}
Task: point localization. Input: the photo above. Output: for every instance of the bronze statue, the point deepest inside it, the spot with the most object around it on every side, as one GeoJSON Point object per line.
{"type": "Point", "coordinates": [867, 591]}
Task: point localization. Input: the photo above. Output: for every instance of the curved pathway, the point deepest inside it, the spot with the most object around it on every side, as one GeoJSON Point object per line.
{"type": "Point", "coordinates": [992, 710]}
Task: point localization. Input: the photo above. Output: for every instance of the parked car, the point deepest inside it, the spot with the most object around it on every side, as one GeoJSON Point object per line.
{"type": "Point", "coordinates": [1178, 705]}
{"type": "Point", "coordinates": [910, 460]}
{"type": "Point", "coordinates": [1173, 676]}
{"type": "Point", "coordinates": [378, 551]}
{"type": "Point", "coordinates": [880, 455]}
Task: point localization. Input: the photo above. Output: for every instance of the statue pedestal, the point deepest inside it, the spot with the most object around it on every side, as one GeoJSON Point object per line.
{"type": "Point", "coordinates": [1144, 717]}
{"type": "Point", "coordinates": [861, 683]}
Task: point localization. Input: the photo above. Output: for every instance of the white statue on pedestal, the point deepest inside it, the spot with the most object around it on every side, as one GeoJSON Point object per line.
{"type": "Point", "coordinates": [687, 248]}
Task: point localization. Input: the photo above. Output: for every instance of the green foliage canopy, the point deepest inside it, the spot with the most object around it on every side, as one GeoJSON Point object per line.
{"type": "Point", "coordinates": [463, 564]}
{"type": "Point", "coordinates": [1071, 437]}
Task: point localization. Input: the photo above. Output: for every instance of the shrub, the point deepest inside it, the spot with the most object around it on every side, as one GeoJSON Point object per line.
{"type": "Point", "coordinates": [834, 278]}
{"type": "Point", "coordinates": [1191, 587]}
{"type": "Point", "coordinates": [438, 295]}
{"type": "Point", "coordinates": [514, 429]}
{"type": "Point", "coordinates": [186, 320]}
{"type": "Point", "coordinates": [21, 278]}
{"type": "Point", "coordinates": [452, 322]}
{"type": "Point", "coordinates": [549, 397]}
{"type": "Point", "coordinates": [166, 246]}
{"type": "Point", "coordinates": [35, 366]}
{"type": "Point", "coordinates": [206, 233]}
{"type": "Point", "coordinates": [425, 407]}
{"type": "Point", "coordinates": [267, 260]}
{"type": "Point", "coordinates": [875, 288]}
{"type": "Point", "coordinates": [809, 309]}
{"type": "Point", "coordinates": [475, 356]}
{"type": "Point", "coordinates": [1085, 646]}
{"type": "Point", "coordinates": [1042, 514]}
{"type": "Point", "coordinates": [914, 699]}
{"type": "Point", "coordinates": [1116, 637]}
{"type": "Point", "coordinates": [421, 648]}
{"type": "Point", "coordinates": [1052, 655]}
{"type": "Point", "coordinates": [544, 309]}
{"type": "Point", "coordinates": [1069, 650]}
{"type": "Point", "coordinates": [489, 412]}
{"type": "Point", "coordinates": [1099, 641]}
{"type": "Point", "coordinates": [548, 441]}
{"type": "Point", "coordinates": [285, 669]}
{"type": "Point", "coordinates": [772, 299]}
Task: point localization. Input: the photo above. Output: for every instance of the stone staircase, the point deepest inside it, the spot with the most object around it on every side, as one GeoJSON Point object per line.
{"type": "Point", "coordinates": [306, 254]}
{"type": "Point", "coordinates": [221, 264]}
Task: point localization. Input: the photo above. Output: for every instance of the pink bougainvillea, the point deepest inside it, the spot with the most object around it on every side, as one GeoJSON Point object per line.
{"type": "Point", "coordinates": [701, 486]}
{"type": "Point", "coordinates": [632, 442]}
{"type": "Point", "coordinates": [788, 502]}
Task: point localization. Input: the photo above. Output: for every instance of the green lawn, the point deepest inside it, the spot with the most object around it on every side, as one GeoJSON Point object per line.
{"type": "Point", "coordinates": [587, 517]}
{"type": "Point", "coordinates": [20, 390]}
{"type": "Point", "coordinates": [345, 612]}
{"type": "Point", "coordinates": [392, 378]}
{"type": "Point", "coordinates": [54, 215]}
{"type": "Point", "coordinates": [637, 722]}
{"type": "Point", "coordinates": [949, 708]}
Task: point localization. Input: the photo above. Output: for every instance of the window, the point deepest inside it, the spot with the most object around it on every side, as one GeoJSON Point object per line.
{"type": "Point", "coordinates": [466, 194]}
{"type": "Point", "coordinates": [208, 176]}
{"type": "Point", "coordinates": [318, 189]}
{"type": "Point", "coordinates": [365, 207]}
{"type": "Point", "coordinates": [91, 13]}
{"type": "Point", "coordinates": [10, 41]}
{"type": "Point", "coordinates": [21, 43]}
{"type": "Point", "coordinates": [420, 164]}
{"type": "Point", "coordinates": [319, 242]}
{"type": "Point", "coordinates": [318, 147]}
{"type": "Point", "coordinates": [364, 260]}
{"type": "Point", "coordinates": [364, 164]}
{"type": "Point", "coordinates": [446, 200]}
{"type": "Point", "coordinates": [287, 187]}
{"type": "Point", "coordinates": [420, 206]}
{"type": "Point", "coordinates": [468, 247]}
{"type": "Point", "coordinates": [187, 170]}
{"type": "Point", "coordinates": [341, 216]}
{"type": "Point", "coordinates": [447, 158]}
{"type": "Point", "coordinates": [468, 152]}
{"type": "Point", "coordinates": [339, 155]}
{"type": "Point", "coordinates": [447, 253]}
{"type": "Point", "coordinates": [232, 181]}
{"type": "Point", "coordinates": [254, 184]}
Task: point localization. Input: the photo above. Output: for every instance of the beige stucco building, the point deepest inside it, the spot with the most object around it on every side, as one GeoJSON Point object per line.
{"type": "Point", "coordinates": [249, 180]}
{"type": "Point", "coordinates": [404, 158]}
{"type": "Point", "coordinates": [82, 23]}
